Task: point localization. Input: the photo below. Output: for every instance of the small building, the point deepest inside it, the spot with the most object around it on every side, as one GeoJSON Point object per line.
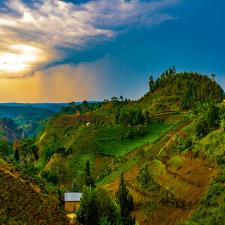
{"type": "Point", "coordinates": [72, 201]}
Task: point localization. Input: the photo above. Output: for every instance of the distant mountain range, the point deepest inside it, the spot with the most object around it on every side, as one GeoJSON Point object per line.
{"type": "Point", "coordinates": [52, 106]}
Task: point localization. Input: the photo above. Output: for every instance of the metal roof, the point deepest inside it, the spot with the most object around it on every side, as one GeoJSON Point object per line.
{"type": "Point", "coordinates": [72, 196]}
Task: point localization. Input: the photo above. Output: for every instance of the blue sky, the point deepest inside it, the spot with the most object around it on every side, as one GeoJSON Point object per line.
{"type": "Point", "coordinates": [107, 48]}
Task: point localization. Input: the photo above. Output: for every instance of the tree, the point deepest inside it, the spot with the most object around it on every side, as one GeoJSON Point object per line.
{"type": "Point", "coordinates": [147, 116]}
{"type": "Point", "coordinates": [26, 149]}
{"type": "Point", "coordinates": [16, 155]}
{"type": "Point", "coordinates": [16, 151]}
{"type": "Point", "coordinates": [5, 148]}
{"type": "Point", "coordinates": [213, 117]}
{"type": "Point", "coordinates": [88, 179]}
{"type": "Point", "coordinates": [126, 203]}
{"type": "Point", "coordinates": [151, 83]}
{"type": "Point", "coordinates": [202, 128]}
{"type": "Point", "coordinates": [139, 118]}
{"type": "Point", "coordinates": [145, 178]}
{"type": "Point", "coordinates": [107, 207]}
{"type": "Point", "coordinates": [97, 207]}
{"type": "Point", "coordinates": [87, 214]}
{"type": "Point", "coordinates": [213, 77]}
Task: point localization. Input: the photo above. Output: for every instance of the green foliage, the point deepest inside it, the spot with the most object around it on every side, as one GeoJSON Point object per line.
{"type": "Point", "coordinates": [209, 121]}
{"type": "Point", "coordinates": [167, 197]}
{"type": "Point", "coordinates": [84, 107]}
{"type": "Point", "coordinates": [104, 221]}
{"type": "Point", "coordinates": [149, 207]}
{"type": "Point", "coordinates": [202, 128]}
{"type": "Point", "coordinates": [175, 162]}
{"type": "Point", "coordinates": [5, 149]}
{"type": "Point", "coordinates": [213, 117]}
{"type": "Point", "coordinates": [126, 203]}
{"type": "Point", "coordinates": [130, 117]}
{"type": "Point", "coordinates": [145, 179]}
{"type": "Point", "coordinates": [27, 150]}
{"type": "Point", "coordinates": [182, 144]}
{"type": "Point", "coordinates": [97, 207]}
{"type": "Point", "coordinates": [212, 146]}
{"type": "Point", "coordinates": [151, 83]}
{"type": "Point", "coordinates": [192, 88]}
{"type": "Point", "coordinates": [88, 179]}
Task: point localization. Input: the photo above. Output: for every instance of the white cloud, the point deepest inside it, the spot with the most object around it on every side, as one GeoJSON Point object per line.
{"type": "Point", "coordinates": [50, 24]}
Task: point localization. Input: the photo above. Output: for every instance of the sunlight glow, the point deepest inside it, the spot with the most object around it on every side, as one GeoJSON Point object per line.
{"type": "Point", "coordinates": [20, 58]}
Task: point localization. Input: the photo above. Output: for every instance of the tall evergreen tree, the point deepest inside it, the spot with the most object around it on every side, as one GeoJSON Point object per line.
{"type": "Point", "coordinates": [126, 203]}
{"type": "Point", "coordinates": [151, 83]}
{"type": "Point", "coordinates": [88, 179]}
{"type": "Point", "coordinates": [87, 214]}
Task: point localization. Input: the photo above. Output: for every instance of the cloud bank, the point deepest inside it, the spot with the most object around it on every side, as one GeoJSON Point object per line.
{"type": "Point", "coordinates": [33, 34]}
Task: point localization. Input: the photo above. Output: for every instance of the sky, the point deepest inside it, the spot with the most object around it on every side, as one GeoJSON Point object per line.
{"type": "Point", "coordinates": [63, 51]}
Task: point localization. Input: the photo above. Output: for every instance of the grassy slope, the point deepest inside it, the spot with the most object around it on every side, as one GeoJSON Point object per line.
{"type": "Point", "coordinates": [86, 143]}
{"type": "Point", "coordinates": [22, 203]}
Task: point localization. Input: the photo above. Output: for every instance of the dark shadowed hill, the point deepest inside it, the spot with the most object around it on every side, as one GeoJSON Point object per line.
{"type": "Point", "coordinates": [22, 203]}
{"type": "Point", "coordinates": [9, 130]}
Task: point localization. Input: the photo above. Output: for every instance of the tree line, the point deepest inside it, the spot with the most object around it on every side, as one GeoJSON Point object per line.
{"type": "Point", "coordinates": [191, 87]}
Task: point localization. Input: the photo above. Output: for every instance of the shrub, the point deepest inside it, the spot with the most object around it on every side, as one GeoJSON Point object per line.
{"type": "Point", "coordinates": [145, 179]}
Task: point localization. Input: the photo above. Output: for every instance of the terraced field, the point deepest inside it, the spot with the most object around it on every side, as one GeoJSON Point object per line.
{"type": "Point", "coordinates": [186, 179]}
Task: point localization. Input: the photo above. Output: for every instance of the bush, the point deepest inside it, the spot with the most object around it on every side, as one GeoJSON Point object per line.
{"type": "Point", "coordinates": [96, 207]}
{"type": "Point", "coordinates": [145, 179]}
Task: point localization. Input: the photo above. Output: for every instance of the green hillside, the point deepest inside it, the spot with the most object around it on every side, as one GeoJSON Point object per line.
{"type": "Point", "coordinates": [169, 145]}
{"type": "Point", "coordinates": [114, 128]}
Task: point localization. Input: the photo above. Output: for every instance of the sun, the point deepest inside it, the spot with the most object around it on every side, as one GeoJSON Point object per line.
{"type": "Point", "coordinates": [20, 59]}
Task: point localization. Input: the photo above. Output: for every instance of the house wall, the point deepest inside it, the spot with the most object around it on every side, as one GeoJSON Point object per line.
{"type": "Point", "coordinates": [71, 206]}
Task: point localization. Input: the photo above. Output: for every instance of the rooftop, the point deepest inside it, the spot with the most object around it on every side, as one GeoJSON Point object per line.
{"type": "Point", "coordinates": [72, 196]}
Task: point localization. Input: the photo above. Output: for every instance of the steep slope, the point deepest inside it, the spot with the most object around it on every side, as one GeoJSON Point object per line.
{"type": "Point", "coordinates": [23, 203]}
